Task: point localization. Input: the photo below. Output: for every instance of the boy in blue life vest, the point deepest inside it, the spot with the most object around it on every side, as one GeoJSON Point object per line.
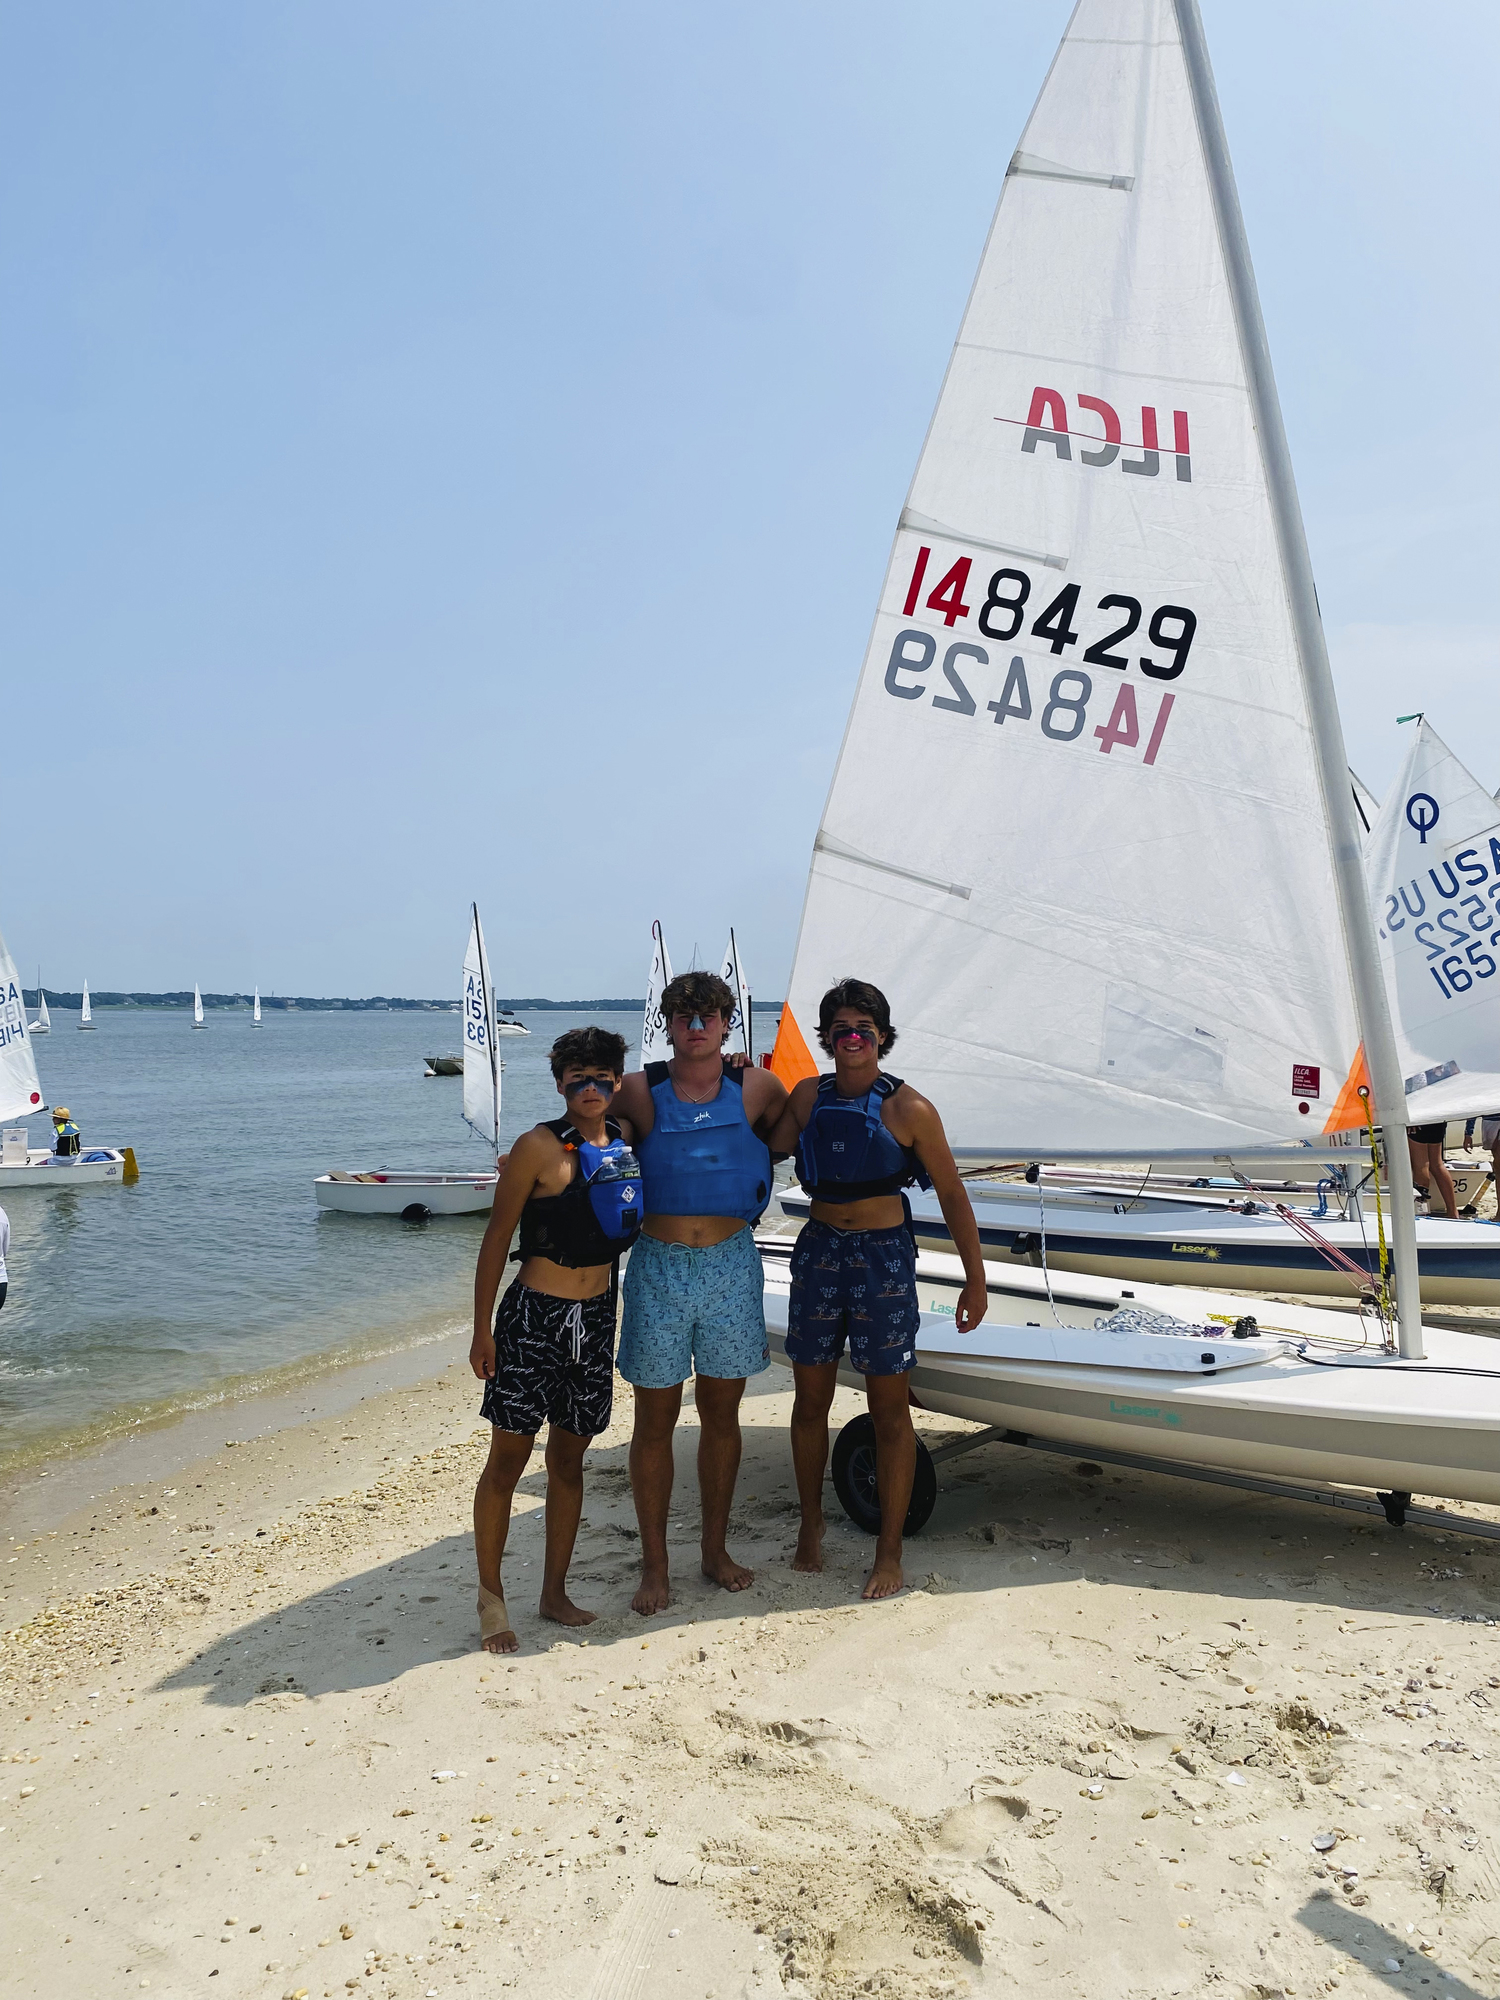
{"type": "Point", "coordinates": [694, 1292]}
{"type": "Point", "coordinates": [573, 1187]}
{"type": "Point", "coordinates": [860, 1136]}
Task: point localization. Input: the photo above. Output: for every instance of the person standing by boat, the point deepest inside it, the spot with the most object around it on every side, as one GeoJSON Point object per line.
{"type": "Point", "coordinates": [573, 1187]}
{"type": "Point", "coordinates": [67, 1140]}
{"type": "Point", "coordinates": [694, 1291]}
{"type": "Point", "coordinates": [860, 1137]}
{"type": "Point", "coordinates": [1428, 1166]}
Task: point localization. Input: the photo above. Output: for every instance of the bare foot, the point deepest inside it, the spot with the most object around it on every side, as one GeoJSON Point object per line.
{"type": "Point", "coordinates": [501, 1642]}
{"type": "Point", "coordinates": [723, 1570]}
{"type": "Point", "coordinates": [654, 1594]}
{"type": "Point", "coordinates": [808, 1559]}
{"type": "Point", "coordinates": [560, 1608]}
{"type": "Point", "coordinates": [886, 1579]}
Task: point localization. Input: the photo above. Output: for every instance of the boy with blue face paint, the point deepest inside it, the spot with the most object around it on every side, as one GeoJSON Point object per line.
{"type": "Point", "coordinates": [573, 1187]}
{"type": "Point", "coordinates": [694, 1291]}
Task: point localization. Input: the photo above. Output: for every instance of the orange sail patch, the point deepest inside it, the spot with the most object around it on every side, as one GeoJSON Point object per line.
{"type": "Point", "coordinates": [1349, 1110]}
{"type": "Point", "coordinates": [791, 1059]}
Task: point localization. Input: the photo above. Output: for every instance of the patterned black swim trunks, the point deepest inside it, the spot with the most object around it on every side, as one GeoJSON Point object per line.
{"type": "Point", "coordinates": [554, 1363]}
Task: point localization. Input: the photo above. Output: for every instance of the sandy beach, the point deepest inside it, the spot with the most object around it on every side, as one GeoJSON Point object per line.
{"type": "Point", "coordinates": [1125, 1735]}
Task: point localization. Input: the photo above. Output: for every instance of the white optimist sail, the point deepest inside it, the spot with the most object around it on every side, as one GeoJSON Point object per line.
{"type": "Point", "coordinates": [255, 1010]}
{"type": "Point", "coordinates": [86, 1017]}
{"type": "Point", "coordinates": [481, 1058]}
{"type": "Point", "coordinates": [1078, 830]}
{"type": "Point", "coordinates": [197, 1006]}
{"type": "Point", "coordinates": [1433, 861]}
{"type": "Point", "coordinates": [741, 1037]}
{"type": "Point", "coordinates": [20, 1093]}
{"type": "Point", "coordinates": [655, 1046]}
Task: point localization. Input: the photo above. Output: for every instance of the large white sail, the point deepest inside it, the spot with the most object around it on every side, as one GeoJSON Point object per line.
{"type": "Point", "coordinates": [655, 1045]}
{"type": "Point", "coordinates": [481, 1057]}
{"type": "Point", "coordinates": [740, 1041]}
{"type": "Point", "coordinates": [20, 1093]}
{"type": "Point", "coordinates": [1077, 831]}
{"type": "Point", "coordinates": [1433, 863]}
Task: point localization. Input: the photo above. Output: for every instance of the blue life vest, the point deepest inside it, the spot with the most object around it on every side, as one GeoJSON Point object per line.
{"type": "Point", "coordinates": [703, 1159]}
{"type": "Point", "coordinates": [612, 1175]}
{"type": "Point", "coordinates": [598, 1214]}
{"type": "Point", "coordinates": [846, 1151]}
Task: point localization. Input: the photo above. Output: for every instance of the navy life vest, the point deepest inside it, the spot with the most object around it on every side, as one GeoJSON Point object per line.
{"type": "Point", "coordinates": [598, 1214]}
{"type": "Point", "coordinates": [847, 1153]}
{"type": "Point", "coordinates": [703, 1159]}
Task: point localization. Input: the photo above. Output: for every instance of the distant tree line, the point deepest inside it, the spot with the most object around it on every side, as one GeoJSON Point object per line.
{"type": "Point", "coordinates": [306, 1003]}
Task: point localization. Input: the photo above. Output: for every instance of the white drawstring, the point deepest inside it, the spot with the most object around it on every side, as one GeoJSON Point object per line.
{"type": "Point", "coordinates": [573, 1323]}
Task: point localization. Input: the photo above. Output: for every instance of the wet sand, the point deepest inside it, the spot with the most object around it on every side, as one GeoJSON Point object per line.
{"type": "Point", "coordinates": [1126, 1736]}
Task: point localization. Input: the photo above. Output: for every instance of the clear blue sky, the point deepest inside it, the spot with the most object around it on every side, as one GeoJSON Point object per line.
{"type": "Point", "coordinates": [453, 450]}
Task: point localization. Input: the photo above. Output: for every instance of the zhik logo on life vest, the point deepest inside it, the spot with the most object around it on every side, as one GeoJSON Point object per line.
{"type": "Point", "coordinates": [1047, 424]}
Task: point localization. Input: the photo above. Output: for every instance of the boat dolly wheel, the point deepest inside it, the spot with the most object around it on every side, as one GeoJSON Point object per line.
{"type": "Point", "coordinates": [854, 1479]}
{"type": "Point", "coordinates": [416, 1211]}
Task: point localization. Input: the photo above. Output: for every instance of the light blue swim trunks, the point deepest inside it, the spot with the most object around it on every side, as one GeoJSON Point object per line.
{"type": "Point", "coordinates": [693, 1311]}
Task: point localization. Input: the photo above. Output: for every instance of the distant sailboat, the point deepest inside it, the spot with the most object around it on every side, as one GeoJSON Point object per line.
{"type": "Point", "coordinates": [22, 1165]}
{"type": "Point", "coordinates": [197, 1006]}
{"type": "Point", "coordinates": [86, 1018]}
{"type": "Point", "coordinates": [255, 1021]}
{"type": "Point", "coordinates": [741, 1037]}
{"type": "Point", "coordinates": [418, 1194]}
{"type": "Point", "coordinates": [42, 1025]}
{"type": "Point", "coordinates": [655, 1043]}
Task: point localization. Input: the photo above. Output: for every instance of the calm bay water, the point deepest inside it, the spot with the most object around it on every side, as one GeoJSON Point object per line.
{"type": "Point", "coordinates": [219, 1265]}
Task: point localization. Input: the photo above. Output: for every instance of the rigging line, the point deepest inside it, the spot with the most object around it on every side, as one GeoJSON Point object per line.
{"type": "Point", "coordinates": [1046, 1274]}
{"type": "Point", "coordinates": [1399, 1367]}
{"type": "Point", "coordinates": [1387, 1314]}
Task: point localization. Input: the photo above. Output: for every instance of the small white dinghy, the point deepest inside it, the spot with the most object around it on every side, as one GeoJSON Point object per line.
{"type": "Point", "coordinates": [86, 1013]}
{"type": "Point", "coordinates": [197, 1006]}
{"type": "Point", "coordinates": [42, 1025]}
{"type": "Point", "coordinates": [1300, 1400]}
{"type": "Point", "coordinates": [415, 1194]}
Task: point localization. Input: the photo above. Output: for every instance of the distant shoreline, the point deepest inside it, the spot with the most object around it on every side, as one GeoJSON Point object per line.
{"type": "Point", "coordinates": [309, 1004]}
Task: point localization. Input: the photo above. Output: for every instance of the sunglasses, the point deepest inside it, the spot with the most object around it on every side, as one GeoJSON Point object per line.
{"type": "Point", "coordinates": [605, 1085]}
{"type": "Point", "coordinates": [859, 1035]}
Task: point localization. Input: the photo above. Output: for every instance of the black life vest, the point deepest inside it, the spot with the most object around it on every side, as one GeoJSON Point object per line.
{"type": "Point", "coordinates": [586, 1224]}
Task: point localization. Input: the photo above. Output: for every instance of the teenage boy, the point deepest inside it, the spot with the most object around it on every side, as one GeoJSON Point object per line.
{"type": "Point", "coordinates": [693, 1287]}
{"type": "Point", "coordinates": [550, 1356]}
{"type": "Point", "coordinates": [861, 1136]}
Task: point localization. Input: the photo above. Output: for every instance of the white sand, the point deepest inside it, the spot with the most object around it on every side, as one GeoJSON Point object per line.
{"type": "Point", "coordinates": [223, 1721]}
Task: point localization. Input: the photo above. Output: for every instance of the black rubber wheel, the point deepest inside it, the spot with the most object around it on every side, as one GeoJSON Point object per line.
{"type": "Point", "coordinates": [854, 1479]}
{"type": "Point", "coordinates": [416, 1211]}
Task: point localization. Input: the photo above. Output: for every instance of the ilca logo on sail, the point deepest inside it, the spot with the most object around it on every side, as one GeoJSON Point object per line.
{"type": "Point", "coordinates": [1047, 424]}
{"type": "Point", "coordinates": [1422, 814]}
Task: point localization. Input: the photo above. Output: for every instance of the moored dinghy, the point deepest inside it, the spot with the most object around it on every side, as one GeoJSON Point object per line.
{"type": "Point", "coordinates": [414, 1194]}
{"type": "Point", "coordinates": [1124, 914]}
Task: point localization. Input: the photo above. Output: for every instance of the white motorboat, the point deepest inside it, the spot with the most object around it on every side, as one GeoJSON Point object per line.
{"type": "Point", "coordinates": [407, 1193]}
{"type": "Point", "coordinates": [1301, 1399]}
{"type": "Point", "coordinates": [414, 1193]}
{"type": "Point", "coordinates": [1092, 827]}
{"type": "Point", "coordinates": [86, 1012]}
{"type": "Point", "coordinates": [197, 1006]}
{"type": "Point", "coordinates": [507, 1024]}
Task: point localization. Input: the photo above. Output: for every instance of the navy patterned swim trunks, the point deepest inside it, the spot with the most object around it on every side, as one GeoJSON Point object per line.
{"type": "Point", "coordinates": [858, 1285]}
{"type": "Point", "coordinates": [554, 1363]}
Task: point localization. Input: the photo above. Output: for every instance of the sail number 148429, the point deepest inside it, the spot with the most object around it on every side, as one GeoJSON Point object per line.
{"type": "Point", "coordinates": [1063, 712]}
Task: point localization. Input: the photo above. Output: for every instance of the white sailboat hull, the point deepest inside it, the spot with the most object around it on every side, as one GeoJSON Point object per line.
{"type": "Point", "coordinates": [391, 1191]}
{"type": "Point", "coordinates": [44, 1170]}
{"type": "Point", "coordinates": [1394, 1426]}
{"type": "Point", "coordinates": [1208, 1246]}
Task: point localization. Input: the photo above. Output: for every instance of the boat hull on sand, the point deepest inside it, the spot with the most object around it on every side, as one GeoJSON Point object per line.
{"type": "Point", "coordinates": [43, 1170]}
{"type": "Point", "coordinates": [1349, 1418]}
{"type": "Point", "coordinates": [393, 1192]}
{"type": "Point", "coordinates": [1208, 1246]}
